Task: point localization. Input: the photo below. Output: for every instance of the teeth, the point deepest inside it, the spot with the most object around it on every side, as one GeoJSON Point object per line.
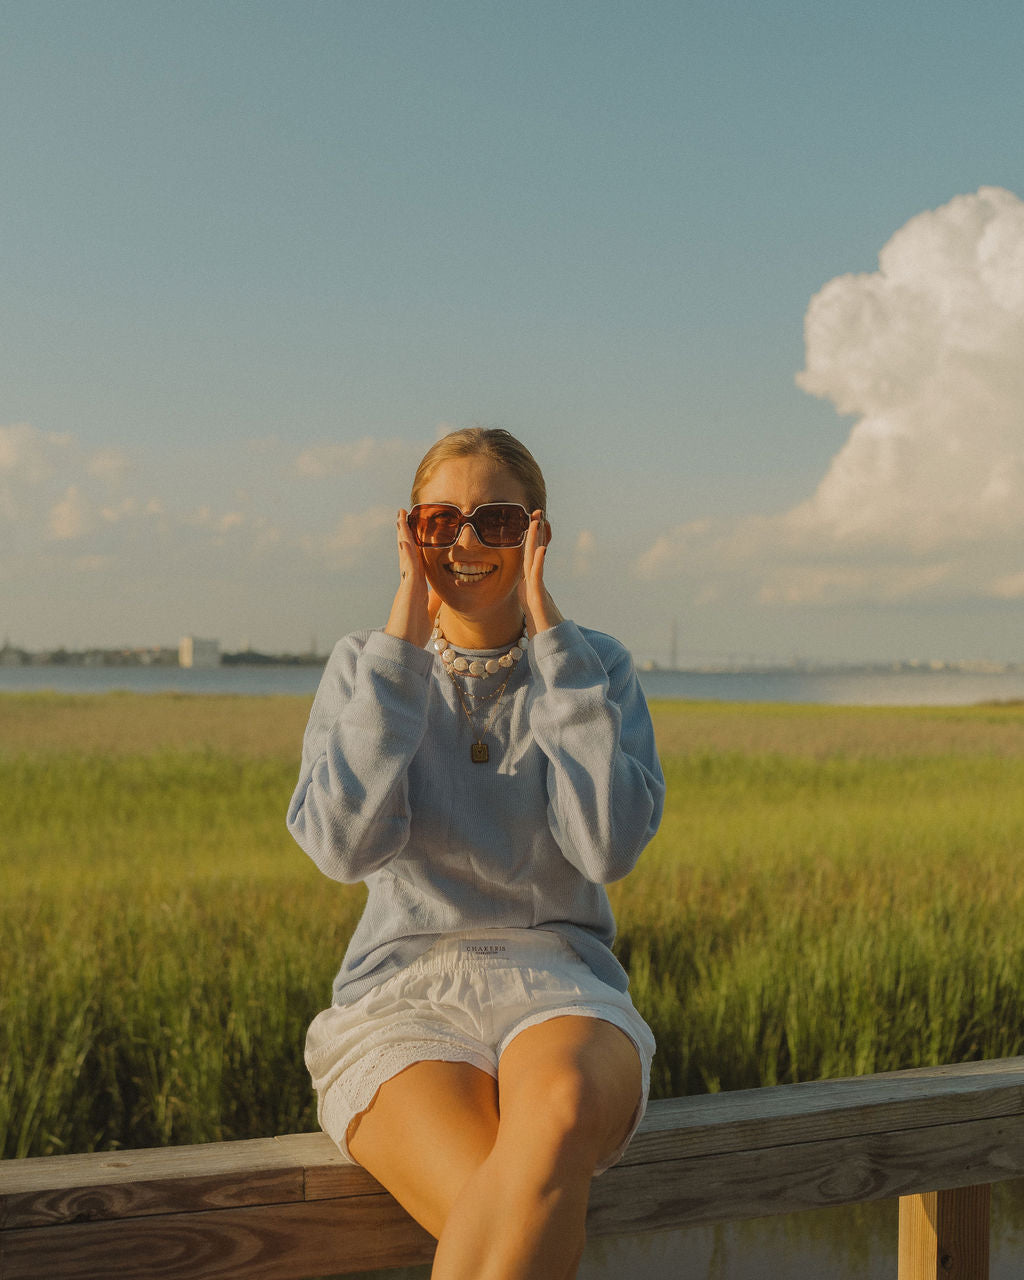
{"type": "Point", "coordinates": [470, 572]}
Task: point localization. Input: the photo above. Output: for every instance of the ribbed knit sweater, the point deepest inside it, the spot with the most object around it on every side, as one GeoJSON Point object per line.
{"type": "Point", "coordinates": [389, 794]}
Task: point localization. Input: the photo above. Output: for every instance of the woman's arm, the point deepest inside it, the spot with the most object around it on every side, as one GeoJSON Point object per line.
{"type": "Point", "coordinates": [606, 789]}
{"type": "Point", "coordinates": [605, 786]}
{"type": "Point", "coordinates": [350, 810]}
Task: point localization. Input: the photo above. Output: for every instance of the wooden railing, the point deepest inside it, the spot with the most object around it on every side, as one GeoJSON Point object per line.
{"type": "Point", "coordinates": [285, 1208]}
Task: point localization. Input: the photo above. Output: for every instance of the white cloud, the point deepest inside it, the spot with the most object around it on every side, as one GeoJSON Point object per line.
{"type": "Point", "coordinates": [30, 454]}
{"type": "Point", "coordinates": [926, 497]}
{"type": "Point", "coordinates": [929, 351]}
{"type": "Point", "coordinates": [583, 553]}
{"type": "Point", "coordinates": [1009, 587]}
{"type": "Point", "coordinates": [355, 535]}
{"type": "Point", "coordinates": [670, 553]}
{"type": "Point", "coordinates": [152, 534]}
{"type": "Point", "coordinates": [58, 501]}
{"type": "Point", "coordinates": [114, 512]}
{"type": "Point", "coordinates": [29, 462]}
{"type": "Point", "coordinates": [70, 518]}
{"type": "Point", "coordinates": [333, 459]}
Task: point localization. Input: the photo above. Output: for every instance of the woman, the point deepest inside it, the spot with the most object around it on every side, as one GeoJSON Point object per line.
{"type": "Point", "coordinates": [486, 767]}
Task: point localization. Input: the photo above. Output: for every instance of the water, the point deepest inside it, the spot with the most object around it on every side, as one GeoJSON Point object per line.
{"type": "Point", "coordinates": [850, 688]}
{"type": "Point", "coordinates": [854, 688]}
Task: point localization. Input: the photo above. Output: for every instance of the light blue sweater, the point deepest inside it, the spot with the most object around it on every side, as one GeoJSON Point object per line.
{"type": "Point", "coordinates": [388, 794]}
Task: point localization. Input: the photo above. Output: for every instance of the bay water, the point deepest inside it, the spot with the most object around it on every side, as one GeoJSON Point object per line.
{"type": "Point", "coordinates": [855, 686]}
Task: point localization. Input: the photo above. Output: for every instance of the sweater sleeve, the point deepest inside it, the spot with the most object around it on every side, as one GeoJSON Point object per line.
{"type": "Point", "coordinates": [606, 789]}
{"type": "Point", "coordinates": [350, 810]}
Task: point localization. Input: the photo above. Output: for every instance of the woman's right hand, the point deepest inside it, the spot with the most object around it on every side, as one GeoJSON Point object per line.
{"type": "Point", "coordinates": [415, 605]}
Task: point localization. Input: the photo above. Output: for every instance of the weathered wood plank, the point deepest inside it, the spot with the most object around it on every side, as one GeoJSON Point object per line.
{"type": "Point", "coordinates": [840, 1108]}
{"type": "Point", "coordinates": [327, 1174]}
{"type": "Point", "coordinates": [279, 1242]}
{"type": "Point", "coordinates": [162, 1162]}
{"type": "Point", "coordinates": [289, 1207]}
{"type": "Point", "coordinates": [361, 1232]}
{"type": "Point", "coordinates": [813, 1175]}
{"type": "Point", "coordinates": [123, 1184]}
{"type": "Point", "coordinates": [42, 1208]}
{"type": "Point", "coordinates": [308, 1166]}
{"type": "Point", "coordinates": [944, 1235]}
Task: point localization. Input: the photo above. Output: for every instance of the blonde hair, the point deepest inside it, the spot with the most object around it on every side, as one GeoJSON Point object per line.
{"type": "Point", "coordinates": [489, 442]}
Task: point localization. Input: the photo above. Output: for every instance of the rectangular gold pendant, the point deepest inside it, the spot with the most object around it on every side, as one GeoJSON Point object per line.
{"type": "Point", "coordinates": [478, 753]}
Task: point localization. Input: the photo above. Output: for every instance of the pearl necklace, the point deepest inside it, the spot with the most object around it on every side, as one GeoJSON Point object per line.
{"type": "Point", "coordinates": [476, 666]}
{"type": "Point", "coordinates": [453, 662]}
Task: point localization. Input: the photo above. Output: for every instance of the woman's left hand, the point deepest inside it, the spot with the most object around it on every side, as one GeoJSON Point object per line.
{"type": "Point", "coordinates": [540, 610]}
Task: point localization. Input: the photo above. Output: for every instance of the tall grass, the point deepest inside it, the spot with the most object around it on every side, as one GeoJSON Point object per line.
{"type": "Point", "coordinates": [163, 947]}
{"type": "Point", "coordinates": [841, 895]}
{"type": "Point", "coordinates": [798, 919]}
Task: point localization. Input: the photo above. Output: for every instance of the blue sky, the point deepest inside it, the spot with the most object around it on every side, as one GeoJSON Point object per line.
{"type": "Point", "coordinates": [257, 255]}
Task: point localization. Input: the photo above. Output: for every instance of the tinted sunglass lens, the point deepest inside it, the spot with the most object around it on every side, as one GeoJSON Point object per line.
{"type": "Point", "coordinates": [496, 524]}
{"type": "Point", "coordinates": [434, 526]}
{"type": "Point", "coordinates": [501, 524]}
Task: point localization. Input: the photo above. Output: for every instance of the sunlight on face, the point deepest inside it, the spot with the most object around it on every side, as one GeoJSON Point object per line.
{"type": "Point", "coordinates": [480, 583]}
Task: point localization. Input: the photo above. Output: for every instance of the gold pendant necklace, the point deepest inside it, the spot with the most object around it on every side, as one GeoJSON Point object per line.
{"type": "Point", "coordinates": [478, 751]}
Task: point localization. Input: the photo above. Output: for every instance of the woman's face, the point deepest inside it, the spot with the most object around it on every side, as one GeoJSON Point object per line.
{"type": "Point", "coordinates": [470, 578]}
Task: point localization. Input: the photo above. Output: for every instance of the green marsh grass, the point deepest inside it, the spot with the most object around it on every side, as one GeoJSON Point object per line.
{"type": "Point", "coordinates": [834, 891]}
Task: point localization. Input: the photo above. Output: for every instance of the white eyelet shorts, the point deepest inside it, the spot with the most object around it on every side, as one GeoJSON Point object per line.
{"type": "Point", "coordinates": [463, 1000]}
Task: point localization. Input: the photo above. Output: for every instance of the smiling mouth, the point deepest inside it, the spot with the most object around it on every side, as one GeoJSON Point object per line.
{"type": "Point", "coordinates": [467, 573]}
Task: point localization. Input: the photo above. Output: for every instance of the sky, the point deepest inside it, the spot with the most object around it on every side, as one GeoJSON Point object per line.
{"type": "Point", "coordinates": [747, 279]}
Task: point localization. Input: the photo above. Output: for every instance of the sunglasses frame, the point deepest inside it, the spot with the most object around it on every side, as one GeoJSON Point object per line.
{"type": "Point", "coordinates": [469, 519]}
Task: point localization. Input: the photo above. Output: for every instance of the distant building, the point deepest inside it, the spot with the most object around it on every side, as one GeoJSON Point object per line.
{"type": "Point", "coordinates": [193, 652]}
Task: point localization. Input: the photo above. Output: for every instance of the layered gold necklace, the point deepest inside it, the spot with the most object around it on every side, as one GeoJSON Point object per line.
{"type": "Point", "coordinates": [478, 751]}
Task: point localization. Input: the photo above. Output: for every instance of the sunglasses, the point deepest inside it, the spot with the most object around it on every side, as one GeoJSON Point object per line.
{"type": "Point", "coordinates": [496, 524]}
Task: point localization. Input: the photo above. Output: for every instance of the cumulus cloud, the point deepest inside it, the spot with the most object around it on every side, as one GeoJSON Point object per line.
{"type": "Point", "coordinates": [929, 351]}
{"type": "Point", "coordinates": [926, 496]}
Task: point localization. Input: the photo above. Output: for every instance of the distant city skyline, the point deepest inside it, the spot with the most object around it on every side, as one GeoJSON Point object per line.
{"type": "Point", "coordinates": [749, 283]}
{"type": "Point", "coordinates": [181, 655]}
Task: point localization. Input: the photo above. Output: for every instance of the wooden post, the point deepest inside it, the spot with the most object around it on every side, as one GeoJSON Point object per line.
{"type": "Point", "coordinates": [944, 1235]}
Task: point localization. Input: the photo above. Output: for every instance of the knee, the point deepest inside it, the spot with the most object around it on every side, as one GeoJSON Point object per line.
{"type": "Point", "coordinates": [569, 1121]}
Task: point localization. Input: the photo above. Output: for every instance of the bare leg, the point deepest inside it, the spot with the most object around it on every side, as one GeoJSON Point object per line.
{"type": "Point", "coordinates": [426, 1133]}
{"type": "Point", "coordinates": [567, 1092]}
